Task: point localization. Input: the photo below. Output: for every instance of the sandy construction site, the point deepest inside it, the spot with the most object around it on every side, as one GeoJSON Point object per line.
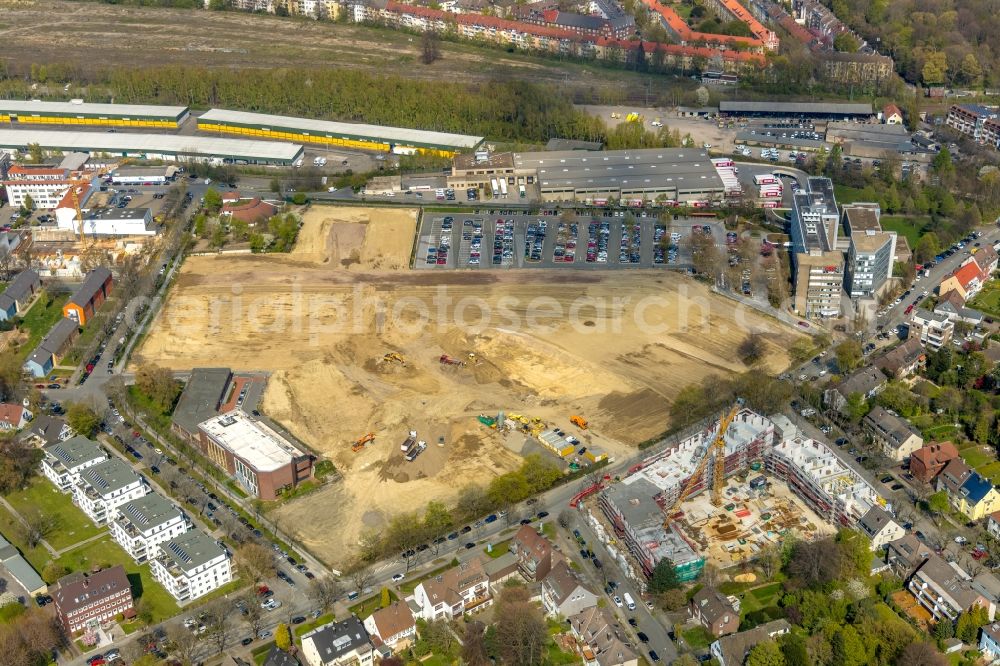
{"type": "Point", "coordinates": [613, 346]}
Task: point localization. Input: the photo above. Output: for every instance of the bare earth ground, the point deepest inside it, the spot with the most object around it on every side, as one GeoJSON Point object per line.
{"type": "Point", "coordinates": [95, 35]}
{"type": "Point", "coordinates": [550, 345]}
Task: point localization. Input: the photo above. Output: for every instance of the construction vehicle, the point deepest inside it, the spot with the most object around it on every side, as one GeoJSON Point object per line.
{"type": "Point", "coordinates": [633, 118]}
{"type": "Point", "coordinates": [717, 451]}
{"type": "Point", "coordinates": [409, 442]}
{"type": "Point", "coordinates": [361, 441]}
{"type": "Point", "coordinates": [393, 357]}
{"type": "Point", "coordinates": [578, 421]}
{"type": "Point", "coordinates": [487, 421]}
{"type": "Point", "coordinates": [416, 451]}
{"type": "Point", "coordinates": [448, 360]}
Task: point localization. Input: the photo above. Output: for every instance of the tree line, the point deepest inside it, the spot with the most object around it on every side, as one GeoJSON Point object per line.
{"type": "Point", "coordinates": [408, 530]}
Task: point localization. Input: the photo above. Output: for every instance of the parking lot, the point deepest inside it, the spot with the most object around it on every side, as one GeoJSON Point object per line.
{"type": "Point", "coordinates": [510, 239]}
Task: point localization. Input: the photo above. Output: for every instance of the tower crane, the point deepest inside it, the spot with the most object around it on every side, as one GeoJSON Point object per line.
{"type": "Point", "coordinates": [716, 450]}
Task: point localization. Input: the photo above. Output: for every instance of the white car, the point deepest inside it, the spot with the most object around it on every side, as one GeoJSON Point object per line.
{"type": "Point", "coordinates": [618, 601]}
{"type": "Point", "coordinates": [398, 577]}
{"type": "Point", "coordinates": [271, 604]}
{"type": "Point", "coordinates": [961, 540]}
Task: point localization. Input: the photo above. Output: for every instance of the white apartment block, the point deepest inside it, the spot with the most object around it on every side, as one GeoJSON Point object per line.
{"type": "Point", "coordinates": [63, 461]}
{"type": "Point", "coordinates": [455, 592]}
{"type": "Point", "coordinates": [143, 524]}
{"type": "Point", "coordinates": [105, 487]}
{"type": "Point", "coordinates": [191, 565]}
{"type": "Point", "coordinates": [932, 329]}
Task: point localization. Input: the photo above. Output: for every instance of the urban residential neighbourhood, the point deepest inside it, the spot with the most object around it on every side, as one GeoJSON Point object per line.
{"type": "Point", "coordinates": [613, 333]}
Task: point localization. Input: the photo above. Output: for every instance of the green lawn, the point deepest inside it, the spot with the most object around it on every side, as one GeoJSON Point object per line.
{"type": "Point", "coordinates": [991, 471]}
{"type": "Point", "coordinates": [499, 549]}
{"type": "Point", "coordinates": [845, 194]}
{"type": "Point", "coordinates": [105, 552]}
{"type": "Point", "coordinates": [974, 457]}
{"type": "Point", "coordinates": [318, 622]}
{"type": "Point", "coordinates": [39, 319]}
{"type": "Point", "coordinates": [909, 227]}
{"type": "Point", "coordinates": [988, 300]}
{"type": "Point", "coordinates": [760, 597]}
{"type": "Point", "coordinates": [698, 637]}
{"type": "Point", "coordinates": [365, 608]}
{"type": "Point", "coordinates": [11, 530]}
{"type": "Point", "coordinates": [71, 525]}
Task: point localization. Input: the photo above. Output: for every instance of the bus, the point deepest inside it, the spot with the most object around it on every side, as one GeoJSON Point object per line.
{"type": "Point", "coordinates": [494, 187]}
{"type": "Point", "coordinates": [503, 187]}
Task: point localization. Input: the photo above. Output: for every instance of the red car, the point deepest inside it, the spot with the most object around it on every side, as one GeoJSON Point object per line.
{"type": "Point", "coordinates": [909, 309]}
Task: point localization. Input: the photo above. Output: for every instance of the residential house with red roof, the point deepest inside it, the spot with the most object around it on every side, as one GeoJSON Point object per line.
{"type": "Point", "coordinates": [13, 416]}
{"type": "Point", "coordinates": [928, 461]}
{"type": "Point", "coordinates": [891, 115]}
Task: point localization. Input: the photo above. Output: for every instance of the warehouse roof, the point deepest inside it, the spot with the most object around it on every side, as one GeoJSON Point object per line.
{"type": "Point", "coordinates": [201, 397]}
{"type": "Point", "coordinates": [173, 144]}
{"type": "Point", "coordinates": [88, 109]}
{"type": "Point", "coordinates": [678, 167]}
{"type": "Point", "coordinates": [350, 130]}
{"type": "Point", "coordinates": [828, 108]}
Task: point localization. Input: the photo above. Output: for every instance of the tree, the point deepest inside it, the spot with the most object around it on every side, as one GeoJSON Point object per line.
{"type": "Point", "coordinates": [849, 355]}
{"type": "Point", "coordinates": [521, 633]}
{"type": "Point", "coordinates": [324, 592]}
{"type": "Point", "coordinates": [385, 599]}
{"type": "Point", "coordinates": [82, 419]}
{"type": "Point", "coordinates": [769, 560]}
{"type": "Point", "coordinates": [36, 525]}
{"type": "Point", "coordinates": [253, 614]}
{"type": "Point", "coordinates": [938, 502]}
{"type": "Point", "coordinates": [184, 644]}
{"type": "Point", "coordinates": [815, 563]}
{"type": "Point", "coordinates": [430, 47]}
{"type": "Point", "coordinates": [970, 69]}
{"type": "Point", "coordinates": [218, 623]}
{"type": "Point", "coordinates": [53, 571]}
{"type": "Point", "coordinates": [845, 42]}
{"type": "Point", "coordinates": [942, 164]}
{"type": "Point", "coordinates": [438, 635]}
{"type": "Point", "coordinates": [663, 578]}
{"type": "Point", "coordinates": [935, 68]}
{"type": "Point", "coordinates": [18, 462]}
{"type": "Point", "coordinates": [256, 561]}
{"type": "Point", "coordinates": [437, 519]}
{"type": "Point", "coordinates": [673, 600]}
{"type": "Point", "coordinates": [36, 153]}
{"type": "Point", "coordinates": [474, 644]}
{"type": "Point", "coordinates": [847, 648]}
{"type": "Point", "coordinates": [857, 407]}
{"type": "Point", "coordinates": [361, 576]}
{"type": "Point", "coordinates": [927, 247]}
{"type": "Point", "coordinates": [692, 404]}
{"type": "Point", "coordinates": [159, 385]}
{"type": "Point", "coordinates": [967, 627]}
{"type": "Point", "coordinates": [213, 200]}
{"type": "Point", "coordinates": [793, 647]}
{"type": "Point", "coordinates": [282, 637]}
{"type": "Point", "coordinates": [943, 630]}
{"type": "Point", "coordinates": [752, 349]}
{"type": "Point", "coordinates": [921, 653]}
{"type": "Point", "coordinates": [765, 653]}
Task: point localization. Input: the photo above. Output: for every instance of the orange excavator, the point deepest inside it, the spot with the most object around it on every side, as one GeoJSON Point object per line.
{"type": "Point", "coordinates": [361, 441]}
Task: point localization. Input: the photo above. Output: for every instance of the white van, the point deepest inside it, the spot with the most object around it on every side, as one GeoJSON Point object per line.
{"type": "Point", "coordinates": [629, 601]}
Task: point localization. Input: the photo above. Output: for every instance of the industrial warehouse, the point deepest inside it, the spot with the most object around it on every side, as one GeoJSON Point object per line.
{"type": "Point", "coordinates": [78, 112]}
{"type": "Point", "coordinates": [819, 110]}
{"type": "Point", "coordinates": [343, 135]}
{"type": "Point", "coordinates": [651, 174]}
{"type": "Point", "coordinates": [169, 147]}
{"type": "Point", "coordinates": [769, 481]}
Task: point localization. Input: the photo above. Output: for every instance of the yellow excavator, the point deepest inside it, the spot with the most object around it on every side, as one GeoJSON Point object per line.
{"type": "Point", "coordinates": [716, 451]}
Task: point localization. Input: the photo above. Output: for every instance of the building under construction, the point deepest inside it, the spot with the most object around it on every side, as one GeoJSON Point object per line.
{"type": "Point", "coordinates": [637, 505]}
{"type": "Point", "coordinates": [817, 475]}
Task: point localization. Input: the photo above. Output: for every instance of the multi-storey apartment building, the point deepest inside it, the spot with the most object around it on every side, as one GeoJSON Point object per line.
{"type": "Point", "coordinates": [970, 119]}
{"type": "Point", "coordinates": [103, 488]}
{"type": "Point", "coordinates": [142, 524]}
{"type": "Point", "coordinates": [870, 253]}
{"type": "Point", "coordinates": [191, 565]}
{"type": "Point", "coordinates": [817, 475]}
{"type": "Point", "coordinates": [344, 643]}
{"type": "Point", "coordinates": [946, 590]}
{"type": "Point", "coordinates": [83, 600]}
{"type": "Point", "coordinates": [459, 590]}
{"type": "Point", "coordinates": [895, 436]}
{"type": "Point", "coordinates": [931, 329]}
{"type": "Point", "coordinates": [62, 462]}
